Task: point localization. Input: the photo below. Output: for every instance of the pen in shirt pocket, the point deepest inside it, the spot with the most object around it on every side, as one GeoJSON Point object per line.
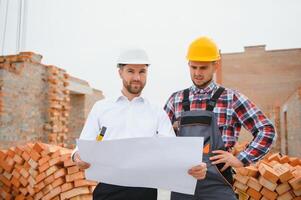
{"type": "Point", "coordinates": [101, 133]}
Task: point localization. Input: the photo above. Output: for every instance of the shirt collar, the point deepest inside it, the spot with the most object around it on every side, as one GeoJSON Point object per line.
{"type": "Point", "coordinates": [207, 90]}
{"type": "Point", "coordinates": [124, 98]}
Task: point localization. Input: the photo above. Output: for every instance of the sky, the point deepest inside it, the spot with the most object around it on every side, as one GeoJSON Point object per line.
{"type": "Point", "coordinates": [85, 36]}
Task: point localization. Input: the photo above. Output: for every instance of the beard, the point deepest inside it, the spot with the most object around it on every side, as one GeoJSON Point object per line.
{"type": "Point", "coordinates": [203, 85]}
{"type": "Point", "coordinates": [134, 87]}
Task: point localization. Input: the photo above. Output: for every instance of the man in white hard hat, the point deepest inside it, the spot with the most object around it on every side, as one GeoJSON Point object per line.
{"type": "Point", "coordinates": [128, 116]}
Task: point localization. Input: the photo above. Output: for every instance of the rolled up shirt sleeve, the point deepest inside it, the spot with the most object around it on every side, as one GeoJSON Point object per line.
{"type": "Point", "coordinates": [262, 129]}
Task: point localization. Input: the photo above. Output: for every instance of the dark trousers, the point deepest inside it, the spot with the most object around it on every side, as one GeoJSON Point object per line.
{"type": "Point", "coordinates": [114, 192]}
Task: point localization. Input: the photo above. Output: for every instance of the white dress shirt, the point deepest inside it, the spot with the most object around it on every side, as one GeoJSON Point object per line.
{"type": "Point", "coordinates": [126, 119]}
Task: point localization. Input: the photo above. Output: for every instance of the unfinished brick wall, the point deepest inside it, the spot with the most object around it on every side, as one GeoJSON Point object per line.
{"type": "Point", "coordinates": [268, 78]}
{"type": "Point", "coordinates": [24, 98]}
{"type": "Point", "coordinates": [290, 123]}
{"type": "Point", "coordinates": [81, 106]}
{"type": "Point", "coordinates": [77, 116]}
{"type": "Point", "coordinates": [59, 105]}
{"type": "Point", "coordinates": [35, 102]}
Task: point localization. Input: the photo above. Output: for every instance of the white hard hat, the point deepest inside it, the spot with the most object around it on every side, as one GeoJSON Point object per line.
{"type": "Point", "coordinates": [133, 56]}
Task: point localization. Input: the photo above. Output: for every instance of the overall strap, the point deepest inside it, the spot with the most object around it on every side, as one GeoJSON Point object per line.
{"type": "Point", "coordinates": [185, 102]}
{"type": "Point", "coordinates": [212, 102]}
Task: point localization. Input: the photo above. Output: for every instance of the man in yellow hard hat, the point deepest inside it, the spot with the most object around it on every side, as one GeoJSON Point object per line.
{"type": "Point", "coordinates": [209, 110]}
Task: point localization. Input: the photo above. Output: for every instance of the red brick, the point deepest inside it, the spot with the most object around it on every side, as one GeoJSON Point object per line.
{"type": "Point", "coordinates": [282, 188]}
{"type": "Point", "coordinates": [242, 179]}
{"type": "Point", "coordinates": [51, 170]}
{"type": "Point", "coordinates": [39, 195]}
{"type": "Point", "coordinates": [67, 186]}
{"type": "Point", "coordinates": [47, 189]}
{"type": "Point", "coordinates": [38, 187]}
{"type": "Point", "coordinates": [40, 177]}
{"type": "Point", "coordinates": [75, 176]}
{"type": "Point", "coordinates": [34, 173]}
{"type": "Point", "coordinates": [39, 147]}
{"type": "Point", "coordinates": [33, 164]}
{"type": "Point", "coordinates": [269, 185]}
{"type": "Point", "coordinates": [19, 150]}
{"type": "Point", "coordinates": [18, 159]}
{"type": "Point", "coordinates": [283, 172]}
{"type": "Point", "coordinates": [285, 196]}
{"type": "Point", "coordinates": [72, 170]}
{"type": "Point", "coordinates": [25, 156]}
{"type": "Point", "coordinates": [68, 163]}
{"type": "Point", "coordinates": [24, 173]}
{"type": "Point", "coordinates": [23, 181]}
{"type": "Point", "coordinates": [34, 155]}
{"type": "Point", "coordinates": [254, 194]}
{"type": "Point", "coordinates": [5, 180]}
{"type": "Point", "coordinates": [284, 159]}
{"type": "Point", "coordinates": [275, 157]}
{"type": "Point", "coordinates": [295, 182]}
{"type": "Point", "coordinates": [54, 192]}
{"type": "Point", "coordinates": [30, 190]}
{"type": "Point", "coordinates": [74, 192]}
{"type": "Point", "coordinates": [43, 167]}
{"type": "Point", "coordinates": [59, 173]}
{"type": "Point", "coordinates": [43, 160]}
{"type": "Point", "coordinates": [254, 183]}
{"type": "Point", "coordinates": [54, 161]}
{"type": "Point", "coordinates": [16, 174]}
{"type": "Point", "coordinates": [240, 186]}
{"type": "Point", "coordinates": [11, 152]}
{"type": "Point", "coordinates": [269, 194]}
{"type": "Point", "coordinates": [20, 197]}
{"type": "Point", "coordinates": [7, 164]}
{"type": "Point", "coordinates": [15, 182]}
{"type": "Point", "coordinates": [57, 182]}
{"type": "Point", "coordinates": [268, 173]}
{"type": "Point", "coordinates": [84, 182]}
{"type": "Point", "coordinates": [297, 192]}
{"type": "Point", "coordinates": [252, 171]}
{"type": "Point", "coordinates": [49, 180]}
{"type": "Point", "coordinates": [294, 161]}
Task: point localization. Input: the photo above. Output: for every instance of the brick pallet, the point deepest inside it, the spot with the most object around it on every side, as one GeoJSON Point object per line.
{"type": "Point", "coordinates": [41, 171]}
{"type": "Point", "coordinates": [274, 177]}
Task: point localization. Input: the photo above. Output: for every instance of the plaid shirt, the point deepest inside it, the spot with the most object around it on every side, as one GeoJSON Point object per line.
{"type": "Point", "coordinates": [232, 110]}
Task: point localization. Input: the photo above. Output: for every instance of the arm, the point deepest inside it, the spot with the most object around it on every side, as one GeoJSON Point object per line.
{"type": "Point", "coordinates": [170, 110]}
{"type": "Point", "coordinates": [164, 125]}
{"type": "Point", "coordinates": [89, 132]}
{"type": "Point", "coordinates": [258, 124]}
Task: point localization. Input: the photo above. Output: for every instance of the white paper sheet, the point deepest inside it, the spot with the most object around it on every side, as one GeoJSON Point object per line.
{"type": "Point", "coordinates": [155, 162]}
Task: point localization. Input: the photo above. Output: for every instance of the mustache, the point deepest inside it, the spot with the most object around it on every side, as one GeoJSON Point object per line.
{"type": "Point", "coordinates": [136, 82]}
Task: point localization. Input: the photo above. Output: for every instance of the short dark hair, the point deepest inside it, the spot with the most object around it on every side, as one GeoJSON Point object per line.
{"type": "Point", "coordinates": [119, 65]}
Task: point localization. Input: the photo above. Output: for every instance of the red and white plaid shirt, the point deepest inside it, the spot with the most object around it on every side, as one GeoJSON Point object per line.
{"type": "Point", "coordinates": [232, 110]}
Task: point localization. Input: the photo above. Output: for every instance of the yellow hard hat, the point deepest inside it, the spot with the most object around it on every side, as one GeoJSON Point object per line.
{"type": "Point", "coordinates": [203, 49]}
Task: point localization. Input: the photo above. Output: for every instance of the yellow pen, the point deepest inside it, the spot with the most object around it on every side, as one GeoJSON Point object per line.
{"type": "Point", "coordinates": [101, 133]}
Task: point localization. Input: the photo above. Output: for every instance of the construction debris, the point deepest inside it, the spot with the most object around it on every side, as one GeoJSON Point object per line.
{"type": "Point", "coordinates": [41, 171]}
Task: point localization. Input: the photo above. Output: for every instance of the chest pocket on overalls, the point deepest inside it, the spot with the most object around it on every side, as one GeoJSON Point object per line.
{"type": "Point", "coordinates": [196, 124]}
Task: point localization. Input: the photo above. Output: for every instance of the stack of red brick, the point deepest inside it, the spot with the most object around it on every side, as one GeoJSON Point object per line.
{"type": "Point", "coordinates": [41, 171]}
{"type": "Point", "coordinates": [59, 105]}
{"type": "Point", "coordinates": [274, 177]}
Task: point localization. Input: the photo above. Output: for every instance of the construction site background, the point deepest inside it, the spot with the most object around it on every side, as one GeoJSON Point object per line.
{"type": "Point", "coordinates": [43, 103]}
